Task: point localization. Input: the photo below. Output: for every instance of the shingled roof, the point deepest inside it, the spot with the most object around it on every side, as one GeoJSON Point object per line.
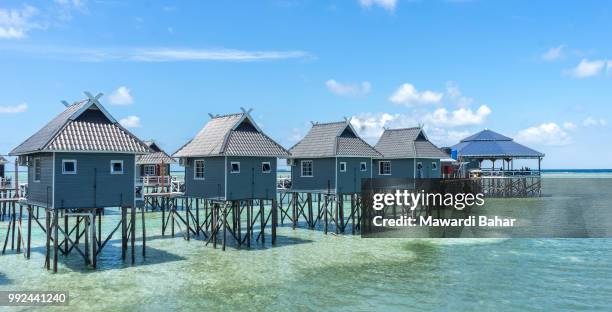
{"type": "Point", "coordinates": [407, 143]}
{"type": "Point", "coordinates": [84, 126]}
{"type": "Point", "coordinates": [331, 140]}
{"type": "Point", "coordinates": [490, 144]}
{"type": "Point", "coordinates": [156, 157]}
{"type": "Point", "coordinates": [231, 135]}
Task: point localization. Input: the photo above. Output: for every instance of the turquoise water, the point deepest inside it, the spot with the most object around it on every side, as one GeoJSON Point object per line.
{"type": "Point", "coordinates": [308, 270]}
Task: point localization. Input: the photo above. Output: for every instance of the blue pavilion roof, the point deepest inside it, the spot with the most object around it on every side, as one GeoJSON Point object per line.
{"type": "Point", "coordinates": [490, 144]}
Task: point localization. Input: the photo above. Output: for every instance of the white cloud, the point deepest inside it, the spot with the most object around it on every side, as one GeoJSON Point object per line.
{"type": "Point", "coordinates": [70, 3]}
{"type": "Point", "coordinates": [588, 68]}
{"type": "Point", "coordinates": [554, 54]}
{"type": "Point", "coordinates": [569, 126]}
{"type": "Point", "coordinates": [609, 67]}
{"type": "Point", "coordinates": [121, 96]}
{"type": "Point", "coordinates": [594, 122]}
{"type": "Point", "coordinates": [445, 137]}
{"type": "Point", "coordinates": [371, 125]}
{"type": "Point", "coordinates": [388, 5]}
{"type": "Point", "coordinates": [20, 108]}
{"type": "Point", "coordinates": [408, 95]}
{"type": "Point", "coordinates": [453, 93]}
{"type": "Point", "coordinates": [168, 55]}
{"type": "Point", "coordinates": [544, 134]}
{"type": "Point", "coordinates": [461, 117]}
{"type": "Point", "coordinates": [15, 23]}
{"type": "Point", "coordinates": [348, 89]}
{"type": "Point", "coordinates": [131, 122]}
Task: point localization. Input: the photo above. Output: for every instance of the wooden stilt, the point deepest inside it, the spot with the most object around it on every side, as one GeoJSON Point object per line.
{"type": "Point", "coordinates": [274, 220]}
{"type": "Point", "coordinates": [29, 238]}
{"type": "Point", "coordinates": [55, 239]}
{"type": "Point", "coordinates": [187, 204]}
{"type": "Point", "coordinates": [48, 234]}
{"type": "Point", "coordinates": [94, 238]}
{"type": "Point", "coordinates": [262, 217]}
{"type": "Point", "coordinates": [310, 214]}
{"type": "Point", "coordinates": [124, 232]}
{"type": "Point", "coordinates": [133, 234]}
{"type": "Point", "coordinates": [248, 228]}
{"type": "Point", "coordinates": [224, 220]}
{"type": "Point", "coordinates": [144, 232]}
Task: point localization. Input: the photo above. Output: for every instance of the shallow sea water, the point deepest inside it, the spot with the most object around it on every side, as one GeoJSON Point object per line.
{"type": "Point", "coordinates": [308, 270]}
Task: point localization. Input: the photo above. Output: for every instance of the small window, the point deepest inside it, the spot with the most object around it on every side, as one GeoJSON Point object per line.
{"type": "Point", "coordinates": [434, 166]}
{"type": "Point", "coordinates": [363, 166]}
{"type": "Point", "coordinates": [343, 167]}
{"type": "Point", "coordinates": [235, 167]}
{"type": "Point", "coordinates": [37, 169]}
{"type": "Point", "coordinates": [69, 166]}
{"type": "Point", "coordinates": [149, 170]}
{"type": "Point", "coordinates": [384, 168]}
{"type": "Point", "coordinates": [116, 167]}
{"type": "Point", "coordinates": [198, 169]}
{"type": "Point", "coordinates": [306, 168]}
{"type": "Point", "coordinates": [419, 165]}
{"type": "Point", "coordinates": [265, 167]}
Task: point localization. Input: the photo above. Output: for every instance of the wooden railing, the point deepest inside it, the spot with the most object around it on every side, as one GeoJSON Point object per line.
{"type": "Point", "coordinates": [507, 173]}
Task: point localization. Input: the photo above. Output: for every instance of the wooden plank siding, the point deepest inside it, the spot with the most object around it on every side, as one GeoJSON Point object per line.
{"type": "Point", "coordinates": [42, 191]}
{"type": "Point", "coordinates": [93, 185]}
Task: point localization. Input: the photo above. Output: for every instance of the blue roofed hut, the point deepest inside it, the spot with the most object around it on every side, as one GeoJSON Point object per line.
{"type": "Point", "coordinates": [230, 159]}
{"type": "Point", "coordinates": [83, 158]}
{"type": "Point", "coordinates": [331, 157]}
{"type": "Point", "coordinates": [407, 154]}
{"type": "Point", "coordinates": [492, 146]}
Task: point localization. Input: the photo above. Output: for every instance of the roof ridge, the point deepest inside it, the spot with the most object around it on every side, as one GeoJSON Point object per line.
{"type": "Point", "coordinates": [400, 129]}
{"type": "Point", "coordinates": [226, 115]}
{"type": "Point", "coordinates": [328, 123]}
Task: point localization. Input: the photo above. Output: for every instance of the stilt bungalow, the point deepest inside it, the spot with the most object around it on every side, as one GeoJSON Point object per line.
{"type": "Point", "coordinates": [80, 163]}
{"type": "Point", "coordinates": [3, 162]}
{"type": "Point", "coordinates": [230, 159]}
{"type": "Point", "coordinates": [83, 158]}
{"type": "Point", "coordinates": [407, 154]}
{"type": "Point", "coordinates": [331, 157]}
{"type": "Point", "coordinates": [154, 168]}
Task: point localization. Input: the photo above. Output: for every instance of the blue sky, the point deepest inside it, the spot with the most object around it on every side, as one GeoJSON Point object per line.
{"type": "Point", "coordinates": [537, 71]}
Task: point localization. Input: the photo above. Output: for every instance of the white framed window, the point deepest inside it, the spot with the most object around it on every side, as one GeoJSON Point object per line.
{"type": "Point", "coordinates": [149, 170]}
{"type": "Point", "coordinates": [235, 167]}
{"type": "Point", "coordinates": [116, 166]}
{"type": "Point", "coordinates": [384, 167]}
{"type": "Point", "coordinates": [69, 166]}
{"type": "Point", "coordinates": [198, 169]}
{"type": "Point", "coordinates": [37, 169]}
{"type": "Point", "coordinates": [306, 168]}
{"type": "Point", "coordinates": [363, 166]}
{"type": "Point", "coordinates": [265, 167]}
{"type": "Point", "coordinates": [434, 166]}
{"type": "Point", "coordinates": [342, 166]}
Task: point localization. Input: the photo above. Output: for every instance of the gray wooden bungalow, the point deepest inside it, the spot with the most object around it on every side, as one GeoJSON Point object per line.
{"type": "Point", "coordinates": [3, 162]}
{"type": "Point", "coordinates": [83, 158]}
{"type": "Point", "coordinates": [331, 157]}
{"type": "Point", "coordinates": [231, 159]}
{"type": "Point", "coordinates": [407, 154]}
{"type": "Point", "coordinates": [154, 164]}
